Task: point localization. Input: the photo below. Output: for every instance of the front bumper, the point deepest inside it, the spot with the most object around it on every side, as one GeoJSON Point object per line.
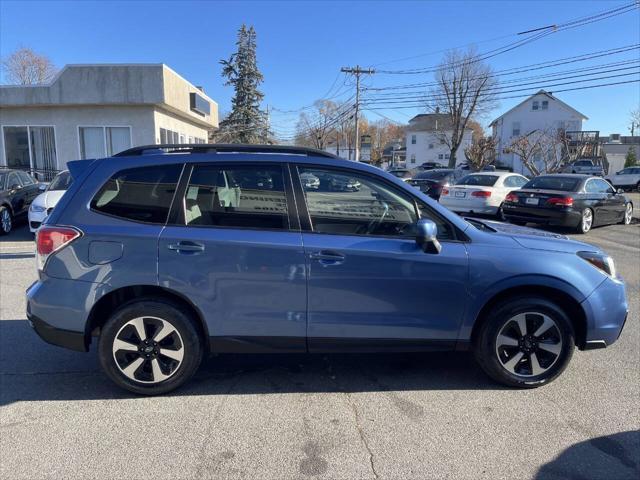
{"type": "Point", "coordinates": [606, 311]}
{"type": "Point", "coordinates": [36, 219]}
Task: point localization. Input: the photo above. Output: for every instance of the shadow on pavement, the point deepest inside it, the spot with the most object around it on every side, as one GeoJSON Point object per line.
{"type": "Point", "coordinates": [31, 370]}
{"type": "Point", "coordinates": [612, 457]}
{"type": "Point", "coordinates": [20, 233]}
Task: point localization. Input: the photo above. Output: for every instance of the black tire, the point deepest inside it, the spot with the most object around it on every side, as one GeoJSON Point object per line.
{"type": "Point", "coordinates": [501, 316]}
{"type": "Point", "coordinates": [186, 340]}
{"type": "Point", "coordinates": [500, 214]}
{"type": "Point", "coordinates": [6, 220]}
{"type": "Point", "coordinates": [582, 226]}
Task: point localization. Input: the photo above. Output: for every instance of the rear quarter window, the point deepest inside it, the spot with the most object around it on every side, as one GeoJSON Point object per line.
{"type": "Point", "coordinates": [141, 194]}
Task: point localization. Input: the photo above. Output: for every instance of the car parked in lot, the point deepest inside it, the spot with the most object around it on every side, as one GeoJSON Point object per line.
{"type": "Point", "coordinates": [481, 193]}
{"type": "Point", "coordinates": [431, 166]}
{"type": "Point", "coordinates": [579, 202]}
{"type": "Point", "coordinates": [44, 203]}
{"type": "Point", "coordinates": [17, 190]}
{"type": "Point", "coordinates": [402, 173]}
{"type": "Point", "coordinates": [586, 167]}
{"type": "Point", "coordinates": [288, 269]}
{"type": "Point", "coordinates": [626, 179]}
{"type": "Point", "coordinates": [432, 182]}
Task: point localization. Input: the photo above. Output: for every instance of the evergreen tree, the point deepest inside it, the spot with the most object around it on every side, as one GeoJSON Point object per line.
{"type": "Point", "coordinates": [246, 123]}
{"type": "Point", "coordinates": [631, 159]}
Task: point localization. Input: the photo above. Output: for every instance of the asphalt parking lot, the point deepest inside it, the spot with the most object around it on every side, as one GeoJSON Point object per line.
{"type": "Point", "coordinates": [358, 416]}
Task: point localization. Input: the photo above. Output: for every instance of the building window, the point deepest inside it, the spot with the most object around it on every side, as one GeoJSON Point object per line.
{"type": "Point", "coordinates": [440, 156]}
{"type": "Point", "coordinates": [430, 145]}
{"type": "Point", "coordinates": [535, 105]}
{"type": "Point", "coordinates": [516, 129]}
{"type": "Point", "coordinates": [413, 158]}
{"type": "Point", "coordinates": [545, 104]}
{"type": "Point", "coordinates": [413, 139]}
{"type": "Point", "coordinates": [98, 142]}
{"type": "Point", "coordinates": [32, 148]}
{"type": "Point", "coordinates": [446, 156]}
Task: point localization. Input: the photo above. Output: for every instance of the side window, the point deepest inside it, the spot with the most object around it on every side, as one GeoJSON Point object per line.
{"type": "Point", "coordinates": [13, 180]}
{"type": "Point", "coordinates": [592, 187]}
{"type": "Point", "coordinates": [26, 178]}
{"type": "Point", "coordinates": [142, 194]}
{"type": "Point", "coordinates": [346, 203]}
{"type": "Point", "coordinates": [238, 196]}
{"type": "Point", "coordinates": [604, 186]}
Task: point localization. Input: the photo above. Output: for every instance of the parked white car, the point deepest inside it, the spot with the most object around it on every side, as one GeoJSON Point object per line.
{"type": "Point", "coordinates": [627, 178]}
{"type": "Point", "coordinates": [44, 203]}
{"type": "Point", "coordinates": [481, 193]}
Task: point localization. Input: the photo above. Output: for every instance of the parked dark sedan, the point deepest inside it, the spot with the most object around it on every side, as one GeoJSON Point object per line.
{"type": "Point", "coordinates": [17, 190]}
{"type": "Point", "coordinates": [575, 201]}
{"type": "Point", "coordinates": [431, 182]}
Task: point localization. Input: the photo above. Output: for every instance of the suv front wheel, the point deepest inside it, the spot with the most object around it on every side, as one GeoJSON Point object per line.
{"type": "Point", "coordinates": [525, 342]}
{"type": "Point", "coordinates": [150, 347]}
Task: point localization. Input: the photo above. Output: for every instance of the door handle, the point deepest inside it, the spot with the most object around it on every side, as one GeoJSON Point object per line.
{"type": "Point", "coordinates": [326, 257]}
{"type": "Point", "coordinates": [186, 247]}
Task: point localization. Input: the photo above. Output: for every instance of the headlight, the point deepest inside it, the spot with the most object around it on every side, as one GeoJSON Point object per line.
{"type": "Point", "coordinates": [37, 208]}
{"type": "Point", "coordinates": [600, 261]}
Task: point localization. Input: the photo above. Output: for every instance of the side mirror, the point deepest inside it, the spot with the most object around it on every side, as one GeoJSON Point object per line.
{"type": "Point", "coordinates": [15, 186]}
{"type": "Point", "coordinates": [426, 234]}
{"type": "Point", "coordinates": [42, 187]}
{"type": "Point", "coordinates": [620, 191]}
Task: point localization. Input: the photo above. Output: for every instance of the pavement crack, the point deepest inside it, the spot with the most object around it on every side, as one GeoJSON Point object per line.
{"type": "Point", "coordinates": [363, 438]}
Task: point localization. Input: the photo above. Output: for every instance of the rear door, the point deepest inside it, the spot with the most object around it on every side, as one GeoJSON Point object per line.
{"type": "Point", "coordinates": [19, 195]}
{"type": "Point", "coordinates": [233, 248]}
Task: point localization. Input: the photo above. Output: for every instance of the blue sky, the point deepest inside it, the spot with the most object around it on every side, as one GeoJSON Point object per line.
{"type": "Point", "coordinates": [302, 45]}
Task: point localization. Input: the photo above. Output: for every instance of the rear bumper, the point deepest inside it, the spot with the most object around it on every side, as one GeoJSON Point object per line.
{"type": "Point", "coordinates": [544, 216]}
{"type": "Point", "coordinates": [56, 336]}
{"type": "Point", "coordinates": [606, 311]}
{"type": "Point", "coordinates": [55, 308]}
{"type": "Point", "coordinates": [465, 206]}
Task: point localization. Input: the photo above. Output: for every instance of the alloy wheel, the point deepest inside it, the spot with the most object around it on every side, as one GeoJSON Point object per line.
{"type": "Point", "coordinates": [148, 349]}
{"type": "Point", "coordinates": [529, 344]}
{"type": "Point", "coordinates": [587, 220]}
{"type": "Point", "coordinates": [5, 221]}
{"type": "Point", "coordinates": [628, 214]}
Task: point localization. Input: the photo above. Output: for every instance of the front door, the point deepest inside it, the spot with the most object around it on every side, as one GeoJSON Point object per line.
{"type": "Point", "coordinates": [234, 249]}
{"type": "Point", "coordinates": [370, 286]}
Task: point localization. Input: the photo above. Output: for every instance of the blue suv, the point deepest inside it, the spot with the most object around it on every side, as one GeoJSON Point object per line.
{"type": "Point", "coordinates": [165, 253]}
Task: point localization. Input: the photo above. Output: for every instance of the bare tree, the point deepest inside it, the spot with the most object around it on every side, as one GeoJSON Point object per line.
{"type": "Point", "coordinates": [26, 67]}
{"type": "Point", "coordinates": [541, 151]}
{"type": "Point", "coordinates": [465, 89]}
{"type": "Point", "coordinates": [481, 152]}
{"type": "Point", "coordinates": [315, 129]}
{"type": "Point", "coordinates": [635, 121]}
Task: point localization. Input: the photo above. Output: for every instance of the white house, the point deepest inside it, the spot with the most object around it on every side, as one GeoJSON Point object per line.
{"type": "Point", "coordinates": [425, 143]}
{"type": "Point", "coordinates": [540, 112]}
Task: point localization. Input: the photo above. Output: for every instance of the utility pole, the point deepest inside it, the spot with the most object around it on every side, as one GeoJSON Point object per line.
{"type": "Point", "coordinates": [357, 71]}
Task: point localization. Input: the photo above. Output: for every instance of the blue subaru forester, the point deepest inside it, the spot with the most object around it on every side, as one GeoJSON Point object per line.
{"type": "Point", "coordinates": [166, 253]}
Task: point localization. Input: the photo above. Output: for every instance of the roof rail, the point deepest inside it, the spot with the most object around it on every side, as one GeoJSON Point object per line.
{"type": "Point", "coordinates": [168, 148]}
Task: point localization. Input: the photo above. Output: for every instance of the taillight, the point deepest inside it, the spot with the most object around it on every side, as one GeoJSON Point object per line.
{"type": "Point", "coordinates": [561, 201]}
{"type": "Point", "coordinates": [445, 191]}
{"type": "Point", "coordinates": [481, 194]}
{"type": "Point", "coordinates": [50, 239]}
{"type": "Point", "coordinates": [511, 198]}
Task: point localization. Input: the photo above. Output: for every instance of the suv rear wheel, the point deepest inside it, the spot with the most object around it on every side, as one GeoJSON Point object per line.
{"type": "Point", "coordinates": [525, 342]}
{"type": "Point", "coordinates": [150, 347]}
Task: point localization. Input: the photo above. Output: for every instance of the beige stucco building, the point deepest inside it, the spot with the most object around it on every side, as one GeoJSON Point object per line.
{"type": "Point", "coordinates": [91, 111]}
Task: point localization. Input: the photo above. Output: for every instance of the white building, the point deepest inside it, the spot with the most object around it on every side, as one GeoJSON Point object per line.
{"type": "Point", "coordinates": [93, 111]}
{"type": "Point", "coordinates": [538, 113]}
{"type": "Point", "coordinates": [425, 143]}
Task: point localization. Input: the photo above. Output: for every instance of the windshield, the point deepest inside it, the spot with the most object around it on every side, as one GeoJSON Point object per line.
{"type": "Point", "coordinates": [433, 175]}
{"type": "Point", "coordinates": [480, 180]}
{"type": "Point", "coordinates": [3, 176]}
{"type": "Point", "coordinates": [399, 173]}
{"type": "Point", "coordinates": [62, 181]}
{"type": "Point", "coordinates": [561, 184]}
